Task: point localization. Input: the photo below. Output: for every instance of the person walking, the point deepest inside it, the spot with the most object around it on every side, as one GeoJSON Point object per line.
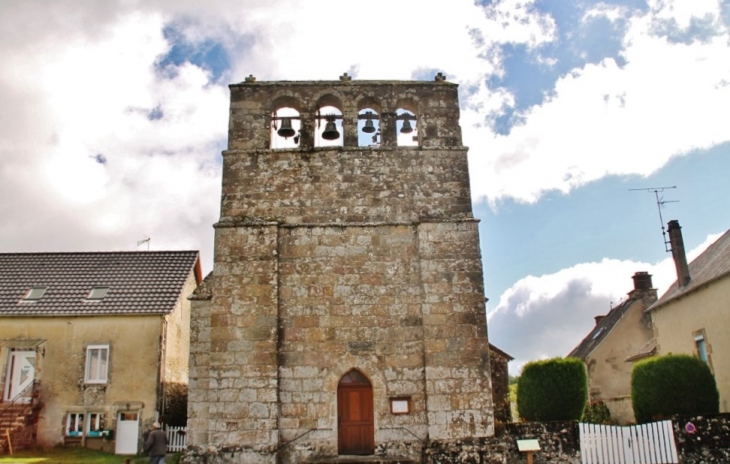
{"type": "Point", "coordinates": [156, 444]}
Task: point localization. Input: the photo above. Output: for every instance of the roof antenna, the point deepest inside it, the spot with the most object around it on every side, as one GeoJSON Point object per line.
{"type": "Point", "coordinates": [146, 240]}
{"type": "Point", "coordinates": [660, 202]}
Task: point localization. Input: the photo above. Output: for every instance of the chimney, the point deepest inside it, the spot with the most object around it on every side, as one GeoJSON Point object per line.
{"type": "Point", "coordinates": [642, 281]}
{"type": "Point", "coordinates": [680, 257]}
{"type": "Point", "coordinates": [598, 319]}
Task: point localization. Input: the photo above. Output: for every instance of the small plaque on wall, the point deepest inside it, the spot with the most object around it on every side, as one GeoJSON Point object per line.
{"type": "Point", "coordinates": [400, 405]}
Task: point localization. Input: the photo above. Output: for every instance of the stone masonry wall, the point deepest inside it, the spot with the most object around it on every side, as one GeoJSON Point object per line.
{"type": "Point", "coordinates": [345, 186]}
{"type": "Point", "coordinates": [500, 386]}
{"type": "Point", "coordinates": [458, 386]}
{"type": "Point", "coordinates": [243, 368]}
{"type": "Point", "coordinates": [350, 298]}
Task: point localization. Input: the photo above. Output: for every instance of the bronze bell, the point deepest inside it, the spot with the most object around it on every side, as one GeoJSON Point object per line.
{"type": "Point", "coordinates": [406, 129]}
{"type": "Point", "coordinates": [369, 127]}
{"type": "Point", "coordinates": [330, 131]}
{"type": "Point", "coordinates": [286, 129]}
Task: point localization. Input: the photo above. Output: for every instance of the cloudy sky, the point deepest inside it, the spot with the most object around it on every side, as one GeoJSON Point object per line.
{"type": "Point", "coordinates": [114, 114]}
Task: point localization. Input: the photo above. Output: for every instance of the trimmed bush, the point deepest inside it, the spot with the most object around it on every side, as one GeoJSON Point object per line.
{"type": "Point", "coordinates": [670, 385]}
{"type": "Point", "coordinates": [552, 390]}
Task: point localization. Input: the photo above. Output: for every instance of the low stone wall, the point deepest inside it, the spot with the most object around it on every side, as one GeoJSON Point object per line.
{"type": "Point", "coordinates": [559, 443]}
{"type": "Point", "coordinates": [706, 440]}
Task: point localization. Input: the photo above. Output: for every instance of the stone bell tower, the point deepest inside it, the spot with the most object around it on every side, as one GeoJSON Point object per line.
{"type": "Point", "coordinates": [345, 313]}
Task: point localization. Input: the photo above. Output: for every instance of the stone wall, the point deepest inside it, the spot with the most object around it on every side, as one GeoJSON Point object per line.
{"type": "Point", "coordinates": [345, 186]}
{"type": "Point", "coordinates": [559, 443]}
{"type": "Point", "coordinates": [709, 442]}
{"type": "Point", "coordinates": [500, 385]}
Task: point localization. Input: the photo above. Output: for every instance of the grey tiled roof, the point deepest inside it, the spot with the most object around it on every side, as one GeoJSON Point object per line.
{"type": "Point", "coordinates": [601, 330]}
{"type": "Point", "coordinates": [147, 282]}
{"type": "Point", "coordinates": [712, 264]}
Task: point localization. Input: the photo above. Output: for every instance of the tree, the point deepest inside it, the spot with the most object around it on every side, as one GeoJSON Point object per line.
{"type": "Point", "coordinates": [552, 390]}
{"type": "Point", "coordinates": [673, 384]}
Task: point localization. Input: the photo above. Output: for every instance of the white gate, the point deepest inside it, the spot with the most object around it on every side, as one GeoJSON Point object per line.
{"type": "Point", "coordinates": [176, 438]}
{"type": "Point", "coordinates": [639, 444]}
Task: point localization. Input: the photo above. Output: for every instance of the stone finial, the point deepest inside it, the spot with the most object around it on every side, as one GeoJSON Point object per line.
{"type": "Point", "coordinates": [440, 77]}
{"type": "Point", "coordinates": [345, 77]}
{"type": "Point", "coordinates": [250, 78]}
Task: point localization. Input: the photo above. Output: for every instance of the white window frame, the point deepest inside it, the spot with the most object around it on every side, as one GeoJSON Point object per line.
{"type": "Point", "coordinates": [101, 375]}
{"type": "Point", "coordinates": [94, 424]}
{"type": "Point", "coordinates": [75, 424]}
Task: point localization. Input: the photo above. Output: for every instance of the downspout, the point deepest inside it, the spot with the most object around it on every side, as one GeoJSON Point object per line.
{"type": "Point", "coordinates": [162, 354]}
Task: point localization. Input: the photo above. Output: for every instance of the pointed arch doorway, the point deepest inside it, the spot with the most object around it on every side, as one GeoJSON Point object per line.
{"type": "Point", "coordinates": [356, 430]}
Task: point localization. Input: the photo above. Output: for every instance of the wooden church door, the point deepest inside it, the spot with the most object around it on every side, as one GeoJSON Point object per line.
{"type": "Point", "coordinates": [355, 415]}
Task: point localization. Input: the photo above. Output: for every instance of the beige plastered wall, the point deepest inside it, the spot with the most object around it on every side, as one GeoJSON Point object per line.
{"type": "Point", "coordinates": [132, 376]}
{"type": "Point", "coordinates": [609, 375]}
{"type": "Point", "coordinates": [706, 309]}
{"type": "Point", "coordinates": [177, 337]}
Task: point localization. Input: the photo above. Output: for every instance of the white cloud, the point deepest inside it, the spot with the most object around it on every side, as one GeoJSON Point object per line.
{"type": "Point", "coordinates": [79, 84]}
{"type": "Point", "coordinates": [668, 99]}
{"type": "Point", "coordinates": [77, 97]}
{"type": "Point", "coordinates": [547, 316]}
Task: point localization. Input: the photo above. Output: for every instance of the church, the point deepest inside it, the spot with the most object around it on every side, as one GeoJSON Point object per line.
{"type": "Point", "coordinates": [345, 314]}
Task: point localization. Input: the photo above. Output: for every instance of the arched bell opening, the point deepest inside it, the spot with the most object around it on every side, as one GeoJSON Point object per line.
{"type": "Point", "coordinates": [368, 128]}
{"type": "Point", "coordinates": [285, 128]}
{"type": "Point", "coordinates": [406, 127]}
{"type": "Point", "coordinates": [328, 130]}
{"type": "Point", "coordinates": [355, 416]}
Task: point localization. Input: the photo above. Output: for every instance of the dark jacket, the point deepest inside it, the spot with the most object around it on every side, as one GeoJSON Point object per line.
{"type": "Point", "coordinates": [156, 443]}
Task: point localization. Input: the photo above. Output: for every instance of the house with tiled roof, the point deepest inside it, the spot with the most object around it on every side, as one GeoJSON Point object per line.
{"type": "Point", "coordinates": [91, 344]}
{"type": "Point", "coordinates": [617, 335]}
{"type": "Point", "coordinates": [693, 315]}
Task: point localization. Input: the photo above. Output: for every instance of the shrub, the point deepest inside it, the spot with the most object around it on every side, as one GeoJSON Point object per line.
{"type": "Point", "coordinates": [673, 384]}
{"type": "Point", "coordinates": [552, 390]}
{"type": "Point", "coordinates": [597, 413]}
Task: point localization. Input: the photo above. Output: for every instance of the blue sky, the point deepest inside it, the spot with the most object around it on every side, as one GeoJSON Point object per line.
{"type": "Point", "coordinates": [118, 113]}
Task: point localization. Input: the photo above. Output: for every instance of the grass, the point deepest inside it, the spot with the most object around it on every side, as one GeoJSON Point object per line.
{"type": "Point", "coordinates": [68, 456]}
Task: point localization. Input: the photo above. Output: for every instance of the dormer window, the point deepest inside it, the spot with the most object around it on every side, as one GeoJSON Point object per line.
{"type": "Point", "coordinates": [98, 293]}
{"type": "Point", "coordinates": [35, 294]}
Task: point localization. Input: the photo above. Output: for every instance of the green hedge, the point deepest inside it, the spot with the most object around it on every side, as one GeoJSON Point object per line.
{"type": "Point", "coordinates": [552, 390]}
{"type": "Point", "coordinates": [673, 384]}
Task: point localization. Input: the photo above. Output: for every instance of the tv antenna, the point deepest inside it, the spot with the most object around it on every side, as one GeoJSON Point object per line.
{"type": "Point", "coordinates": [660, 202]}
{"type": "Point", "coordinates": [145, 240]}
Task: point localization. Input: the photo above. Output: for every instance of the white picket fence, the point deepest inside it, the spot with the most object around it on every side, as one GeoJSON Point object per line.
{"type": "Point", "coordinates": [639, 444]}
{"type": "Point", "coordinates": [176, 438]}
